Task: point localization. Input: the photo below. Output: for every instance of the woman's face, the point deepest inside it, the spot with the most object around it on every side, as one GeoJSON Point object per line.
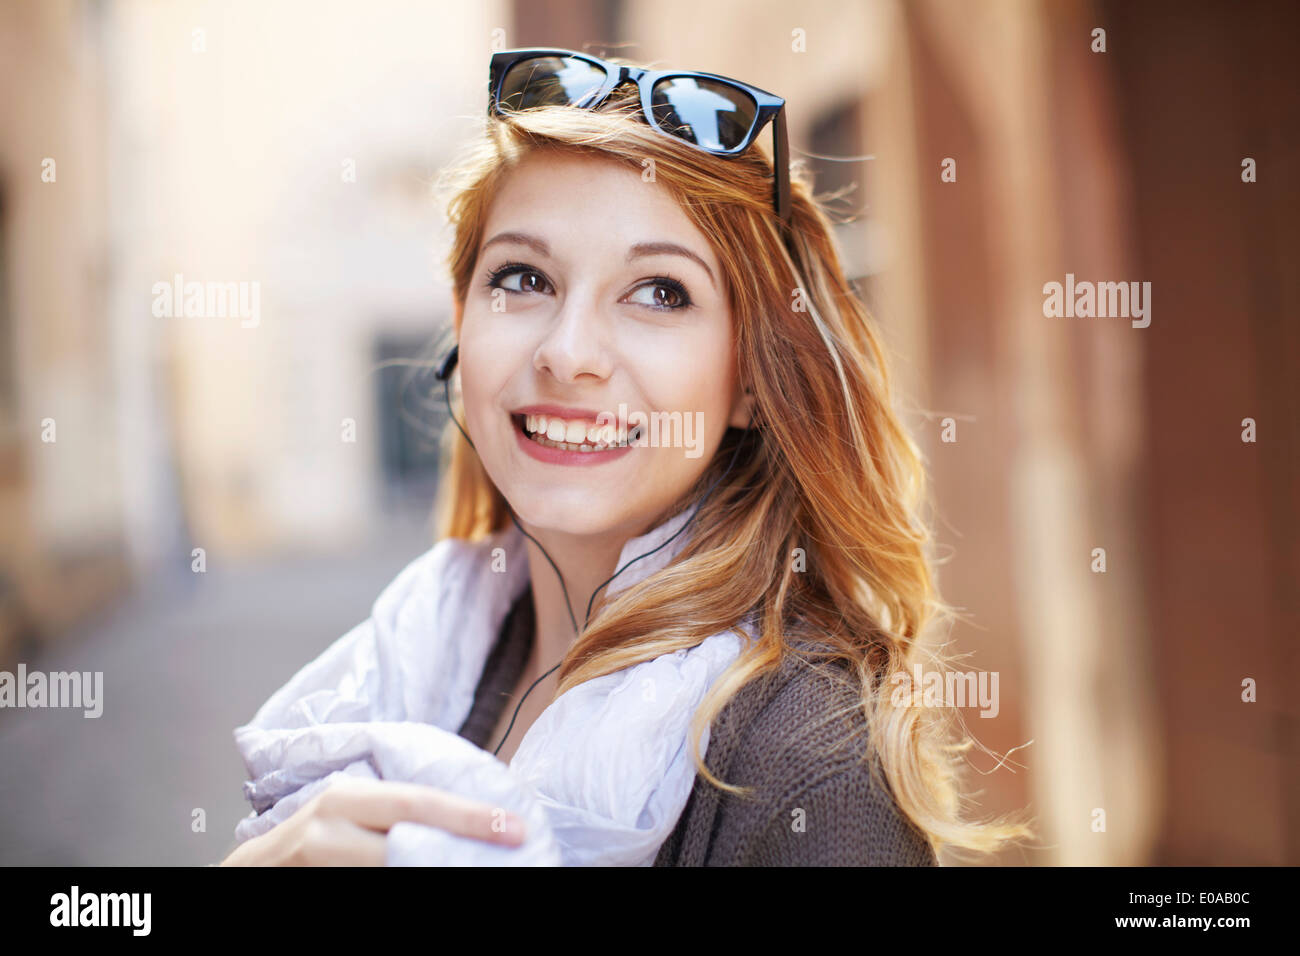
{"type": "Point", "coordinates": [595, 301]}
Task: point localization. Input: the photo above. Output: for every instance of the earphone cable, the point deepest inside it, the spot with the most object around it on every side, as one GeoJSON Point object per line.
{"type": "Point", "coordinates": [684, 526]}
{"type": "Point", "coordinates": [446, 392]}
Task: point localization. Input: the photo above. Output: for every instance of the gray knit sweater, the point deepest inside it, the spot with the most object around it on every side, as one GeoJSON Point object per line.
{"type": "Point", "coordinates": [814, 803]}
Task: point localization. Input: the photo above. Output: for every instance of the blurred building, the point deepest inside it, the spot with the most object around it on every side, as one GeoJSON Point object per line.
{"type": "Point", "coordinates": [287, 151]}
{"type": "Point", "coordinates": [62, 551]}
{"type": "Point", "coordinates": [1110, 141]}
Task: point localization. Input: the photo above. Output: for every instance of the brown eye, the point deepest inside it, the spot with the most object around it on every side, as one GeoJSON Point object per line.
{"type": "Point", "coordinates": [665, 295]}
{"type": "Point", "coordinates": [515, 277]}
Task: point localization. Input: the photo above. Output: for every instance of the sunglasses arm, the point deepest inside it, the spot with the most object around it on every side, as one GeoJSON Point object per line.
{"type": "Point", "coordinates": [781, 171]}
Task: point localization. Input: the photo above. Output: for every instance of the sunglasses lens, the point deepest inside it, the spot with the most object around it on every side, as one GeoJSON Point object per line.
{"type": "Point", "coordinates": [708, 113]}
{"type": "Point", "coordinates": [548, 81]}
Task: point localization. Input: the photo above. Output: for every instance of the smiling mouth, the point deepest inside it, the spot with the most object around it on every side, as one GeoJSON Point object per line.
{"type": "Point", "coordinates": [597, 439]}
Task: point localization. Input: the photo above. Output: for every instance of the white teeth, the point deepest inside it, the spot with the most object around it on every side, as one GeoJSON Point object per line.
{"type": "Point", "coordinates": [578, 436]}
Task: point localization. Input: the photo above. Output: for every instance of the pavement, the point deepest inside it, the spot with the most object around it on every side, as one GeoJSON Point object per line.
{"type": "Point", "coordinates": [156, 779]}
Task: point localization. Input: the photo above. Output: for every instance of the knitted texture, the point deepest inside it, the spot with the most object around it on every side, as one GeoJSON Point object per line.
{"type": "Point", "coordinates": [815, 801]}
{"type": "Point", "coordinates": [797, 737]}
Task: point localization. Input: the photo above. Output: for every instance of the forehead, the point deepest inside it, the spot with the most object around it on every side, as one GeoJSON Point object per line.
{"type": "Point", "coordinates": [591, 201]}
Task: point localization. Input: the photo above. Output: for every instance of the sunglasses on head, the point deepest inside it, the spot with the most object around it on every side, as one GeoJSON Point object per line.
{"type": "Point", "coordinates": [714, 113]}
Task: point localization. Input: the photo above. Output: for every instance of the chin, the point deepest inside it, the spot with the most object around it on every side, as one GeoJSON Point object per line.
{"type": "Point", "coordinates": [578, 514]}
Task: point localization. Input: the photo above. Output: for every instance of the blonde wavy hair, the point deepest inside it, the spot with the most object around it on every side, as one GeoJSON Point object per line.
{"type": "Point", "coordinates": [832, 472]}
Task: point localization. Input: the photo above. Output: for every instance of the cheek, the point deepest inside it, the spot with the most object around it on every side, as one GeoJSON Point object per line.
{"type": "Point", "coordinates": [698, 380]}
{"type": "Point", "coordinates": [487, 358]}
{"type": "Point", "coordinates": [700, 393]}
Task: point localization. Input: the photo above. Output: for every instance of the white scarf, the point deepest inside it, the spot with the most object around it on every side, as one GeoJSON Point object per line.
{"type": "Point", "coordinates": [602, 775]}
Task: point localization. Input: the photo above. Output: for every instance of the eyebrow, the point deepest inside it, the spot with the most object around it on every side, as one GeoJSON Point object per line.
{"type": "Point", "coordinates": [668, 249]}
{"type": "Point", "coordinates": [638, 250]}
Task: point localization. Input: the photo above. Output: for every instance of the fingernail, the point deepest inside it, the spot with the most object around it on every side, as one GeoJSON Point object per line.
{"type": "Point", "coordinates": [514, 830]}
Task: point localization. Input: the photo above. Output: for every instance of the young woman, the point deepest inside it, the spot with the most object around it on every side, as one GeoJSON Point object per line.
{"type": "Point", "coordinates": [680, 563]}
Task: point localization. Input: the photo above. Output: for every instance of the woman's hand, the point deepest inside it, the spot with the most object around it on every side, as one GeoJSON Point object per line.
{"type": "Point", "coordinates": [346, 824]}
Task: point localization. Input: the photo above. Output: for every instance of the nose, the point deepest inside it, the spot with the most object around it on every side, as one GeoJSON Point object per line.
{"type": "Point", "coordinates": [574, 349]}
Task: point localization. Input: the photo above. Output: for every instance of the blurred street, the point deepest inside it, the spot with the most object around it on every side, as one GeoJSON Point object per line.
{"type": "Point", "coordinates": [184, 662]}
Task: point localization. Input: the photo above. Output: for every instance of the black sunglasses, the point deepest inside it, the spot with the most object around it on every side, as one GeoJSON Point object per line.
{"type": "Point", "coordinates": [714, 113]}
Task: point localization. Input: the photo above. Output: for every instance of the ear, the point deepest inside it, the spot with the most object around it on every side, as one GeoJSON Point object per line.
{"type": "Point", "coordinates": [742, 408]}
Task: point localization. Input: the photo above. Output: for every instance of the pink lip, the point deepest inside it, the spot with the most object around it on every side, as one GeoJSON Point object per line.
{"type": "Point", "coordinates": [557, 456]}
{"type": "Point", "coordinates": [559, 411]}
